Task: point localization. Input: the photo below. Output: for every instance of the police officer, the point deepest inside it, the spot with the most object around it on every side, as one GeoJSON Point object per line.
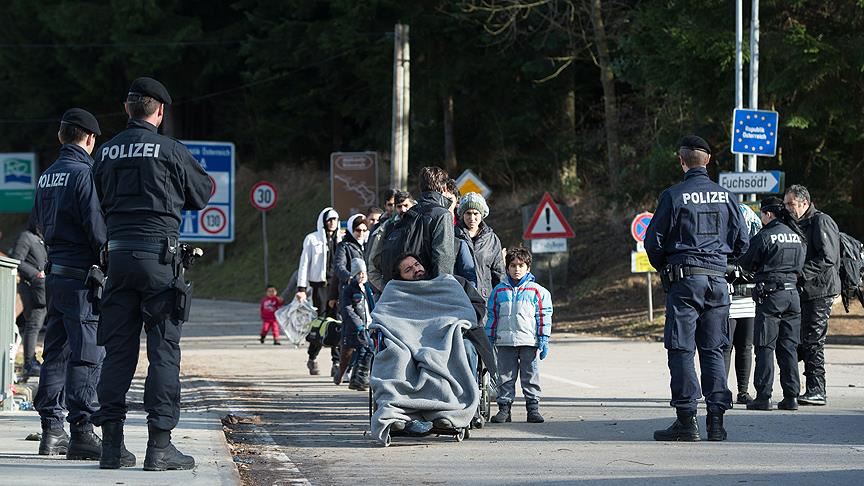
{"type": "Point", "coordinates": [144, 180]}
{"type": "Point", "coordinates": [820, 285]}
{"type": "Point", "coordinates": [67, 213]}
{"type": "Point", "coordinates": [697, 226]}
{"type": "Point", "coordinates": [777, 255]}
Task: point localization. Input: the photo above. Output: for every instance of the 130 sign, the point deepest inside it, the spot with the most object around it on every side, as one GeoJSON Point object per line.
{"type": "Point", "coordinates": [263, 196]}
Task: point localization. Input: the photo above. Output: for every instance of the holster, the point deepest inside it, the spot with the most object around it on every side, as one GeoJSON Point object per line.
{"type": "Point", "coordinates": [183, 299]}
{"type": "Point", "coordinates": [95, 282]}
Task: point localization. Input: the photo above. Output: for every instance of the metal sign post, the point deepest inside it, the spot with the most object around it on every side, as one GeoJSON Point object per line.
{"type": "Point", "coordinates": [263, 196]}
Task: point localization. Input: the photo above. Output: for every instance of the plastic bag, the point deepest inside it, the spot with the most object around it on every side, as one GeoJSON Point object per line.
{"type": "Point", "coordinates": [295, 320]}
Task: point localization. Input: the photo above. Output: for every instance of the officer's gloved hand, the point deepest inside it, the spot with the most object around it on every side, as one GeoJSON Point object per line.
{"type": "Point", "coordinates": [543, 345]}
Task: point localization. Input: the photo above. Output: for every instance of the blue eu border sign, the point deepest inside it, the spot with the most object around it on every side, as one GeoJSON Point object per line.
{"type": "Point", "coordinates": [754, 132]}
{"type": "Point", "coordinates": [214, 223]}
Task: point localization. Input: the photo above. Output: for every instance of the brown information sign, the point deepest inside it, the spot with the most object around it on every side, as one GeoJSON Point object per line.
{"type": "Point", "coordinates": [353, 182]}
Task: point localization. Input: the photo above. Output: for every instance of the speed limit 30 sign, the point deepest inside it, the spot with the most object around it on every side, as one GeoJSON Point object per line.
{"type": "Point", "coordinates": [263, 196]}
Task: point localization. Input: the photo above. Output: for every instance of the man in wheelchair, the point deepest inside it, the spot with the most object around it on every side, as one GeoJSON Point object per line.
{"type": "Point", "coordinates": [425, 372]}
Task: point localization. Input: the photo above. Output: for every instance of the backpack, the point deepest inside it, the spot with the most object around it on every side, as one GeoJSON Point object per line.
{"type": "Point", "coordinates": [407, 235]}
{"type": "Point", "coordinates": [851, 270]}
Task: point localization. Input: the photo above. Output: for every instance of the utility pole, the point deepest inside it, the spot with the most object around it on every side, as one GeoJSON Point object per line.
{"type": "Point", "coordinates": [739, 71]}
{"type": "Point", "coordinates": [754, 75]}
{"type": "Point", "coordinates": [401, 108]}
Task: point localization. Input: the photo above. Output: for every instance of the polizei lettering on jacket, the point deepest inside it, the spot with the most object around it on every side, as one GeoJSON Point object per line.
{"type": "Point", "coordinates": [131, 150]}
{"type": "Point", "coordinates": [56, 179]}
{"type": "Point", "coordinates": [785, 238]}
{"type": "Point", "coordinates": [705, 197]}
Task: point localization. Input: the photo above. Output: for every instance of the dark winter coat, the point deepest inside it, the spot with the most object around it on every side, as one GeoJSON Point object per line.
{"type": "Point", "coordinates": [440, 230]}
{"type": "Point", "coordinates": [30, 250]}
{"type": "Point", "coordinates": [347, 249]}
{"type": "Point", "coordinates": [821, 274]}
{"type": "Point", "coordinates": [488, 262]}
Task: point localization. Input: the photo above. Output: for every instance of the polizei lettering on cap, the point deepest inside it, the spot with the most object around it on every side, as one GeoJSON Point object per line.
{"type": "Point", "coordinates": [131, 150]}
{"type": "Point", "coordinates": [705, 197]}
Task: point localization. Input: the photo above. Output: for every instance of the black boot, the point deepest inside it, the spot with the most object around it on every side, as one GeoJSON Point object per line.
{"type": "Point", "coordinates": [360, 375]}
{"type": "Point", "coordinates": [684, 429]}
{"type": "Point", "coordinates": [162, 455]}
{"type": "Point", "coordinates": [760, 404]}
{"type": "Point", "coordinates": [84, 444]}
{"type": "Point", "coordinates": [788, 403]}
{"type": "Point", "coordinates": [114, 452]}
{"type": "Point", "coordinates": [533, 408]}
{"type": "Point", "coordinates": [503, 414]}
{"type": "Point", "coordinates": [716, 432]}
{"type": "Point", "coordinates": [53, 442]}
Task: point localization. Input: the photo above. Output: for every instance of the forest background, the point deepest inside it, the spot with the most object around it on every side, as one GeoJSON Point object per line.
{"type": "Point", "coordinates": [586, 99]}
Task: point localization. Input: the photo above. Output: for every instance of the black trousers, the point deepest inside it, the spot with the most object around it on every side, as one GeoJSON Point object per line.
{"type": "Point", "coordinates": [778, 327]}
{"type": "Point", "coordinates": [71, 360]}
{"type": "Point", "coordinates": [31, 320]}
{"type": "Point", "coordinates": [697, 313]}
{"type": "Point", "coordinates": [741, 330]}
{"type": "Point", "coordinates": [814, 328]}
{"type": "Point", "coordinates": [139, 290]}
{"type": "Point", "coordinates": [321, 293]}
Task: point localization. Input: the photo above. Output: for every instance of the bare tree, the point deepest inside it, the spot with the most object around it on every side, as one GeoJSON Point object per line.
{"type": "Point", "coordinates": [582, 24]}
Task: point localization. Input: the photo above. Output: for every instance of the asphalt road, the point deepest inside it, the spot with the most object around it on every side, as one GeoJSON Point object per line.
{"type": "Point", "coordinates": [603, 400]}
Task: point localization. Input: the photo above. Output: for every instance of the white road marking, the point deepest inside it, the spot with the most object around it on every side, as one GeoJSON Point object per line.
{"type": "Point", "coordinates": [287, 466]}
{"type": "Point", "coordinates": [565, 380]}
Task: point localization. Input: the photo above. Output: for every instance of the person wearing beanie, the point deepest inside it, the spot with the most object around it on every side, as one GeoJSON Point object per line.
{"type": "Point", "coordinates": [776, 255]}
{"type": "Point", "coordinates": [316, 272]}
{"type": "Point", "coordinates": [355, 307]}
{"type": "Point", "coordinates": [483, 243]}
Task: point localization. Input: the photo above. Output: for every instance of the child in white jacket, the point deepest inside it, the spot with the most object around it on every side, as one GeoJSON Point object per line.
{"type": "Point", "coordinates": [519, 323]}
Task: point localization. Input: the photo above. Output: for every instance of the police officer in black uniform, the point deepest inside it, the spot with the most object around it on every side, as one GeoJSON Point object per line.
{"type": "Point", "coordinates": [776, 255]}
{"type": "Point", "coordinates": [67, 213]}
{"type": "Point", "coordinates": [144, 180]}
{"type": "Point", "coordinates": [697, 226]}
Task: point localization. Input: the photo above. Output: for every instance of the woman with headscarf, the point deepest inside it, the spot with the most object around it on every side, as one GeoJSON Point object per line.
{"type": "Point", "coordinates": [482, 241]}
{"type": "Point", "coordinates": [352, 246]}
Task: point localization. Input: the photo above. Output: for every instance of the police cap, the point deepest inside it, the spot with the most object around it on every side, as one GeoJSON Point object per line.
{"type": "Point", "coordinates": [149, 87]}
{"type": "Point", "coordinates": [692, 142]}
{"type": "Point", "coordinates": [81, 118]}
{"type": "Point", "coordinates": [771, 204]}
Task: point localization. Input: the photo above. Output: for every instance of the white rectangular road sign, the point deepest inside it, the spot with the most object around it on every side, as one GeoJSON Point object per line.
{"type": "Point", "coordinates": [767, 182]}
{"type": "Point", "coordinates": [549, 245]}
{"type": "Point", "coordinates": [214, 223]}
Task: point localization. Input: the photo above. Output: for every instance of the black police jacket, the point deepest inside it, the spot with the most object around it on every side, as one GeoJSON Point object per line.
{"type": "Point", "coordinates": [776, 254]}
{"type": "Point", "coordinates": [144, 180]}
{"type": "Point", "coordinates": [697, 223]}
{"type": "Point", "coordinates": [67, 210]}
{"type": "Point", "coordinates": [821, 274]}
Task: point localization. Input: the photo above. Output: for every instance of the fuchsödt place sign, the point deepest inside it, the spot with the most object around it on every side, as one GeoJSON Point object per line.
{"type": "Point", "coordinates": [768, 182]}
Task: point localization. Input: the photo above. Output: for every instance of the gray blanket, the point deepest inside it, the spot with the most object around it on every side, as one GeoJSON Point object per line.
{"type": "Point", "coordinates": [422, 371]}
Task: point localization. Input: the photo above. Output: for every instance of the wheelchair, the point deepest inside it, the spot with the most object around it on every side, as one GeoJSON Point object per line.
{"type": "Point", "coordinates": [481, 416]}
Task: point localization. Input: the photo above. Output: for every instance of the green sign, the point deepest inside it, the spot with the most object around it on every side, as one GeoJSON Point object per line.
{"type": "Point", "coordinates": [17, 182]}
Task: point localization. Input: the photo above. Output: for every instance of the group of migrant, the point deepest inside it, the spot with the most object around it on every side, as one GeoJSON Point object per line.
{"type": "Point", "coordinates": [407, 284]}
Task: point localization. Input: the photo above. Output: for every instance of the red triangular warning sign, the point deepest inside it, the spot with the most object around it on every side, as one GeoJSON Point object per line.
{"type": "Point", "coordinates": [548, 222]}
